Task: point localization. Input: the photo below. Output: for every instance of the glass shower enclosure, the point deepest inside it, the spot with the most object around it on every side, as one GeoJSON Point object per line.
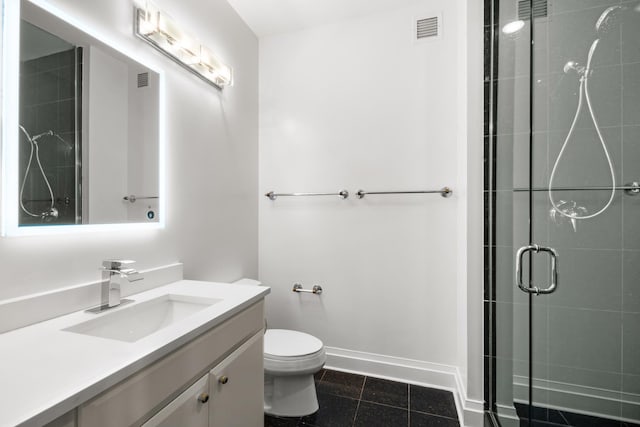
{"type": "Point", "coordinates": [562, 203]}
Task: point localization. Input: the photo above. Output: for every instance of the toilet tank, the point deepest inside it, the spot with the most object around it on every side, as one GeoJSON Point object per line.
{"type": "Point", "coordinates": [245, 281]}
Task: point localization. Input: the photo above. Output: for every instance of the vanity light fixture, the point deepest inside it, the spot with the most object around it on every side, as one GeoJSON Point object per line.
{"type": "Point", "coordinates": [161, 32]}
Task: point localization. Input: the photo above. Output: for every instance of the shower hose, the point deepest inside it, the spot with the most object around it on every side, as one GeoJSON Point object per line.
{"type": "Point", "coordinates": [584, 94]}
{"type": "Point", "coordinates": [33, 142]}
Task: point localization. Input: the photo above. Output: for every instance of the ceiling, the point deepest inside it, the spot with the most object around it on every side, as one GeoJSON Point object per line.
{"type": "Point", "coordinates": [268, 17]}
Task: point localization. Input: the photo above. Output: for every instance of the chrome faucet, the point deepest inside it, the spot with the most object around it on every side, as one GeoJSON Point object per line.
{"type": "Point", "coordinates": [115, 272]}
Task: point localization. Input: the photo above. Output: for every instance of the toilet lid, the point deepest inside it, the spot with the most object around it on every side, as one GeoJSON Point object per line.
{"type": "Point", "coordinates": [282, 342]}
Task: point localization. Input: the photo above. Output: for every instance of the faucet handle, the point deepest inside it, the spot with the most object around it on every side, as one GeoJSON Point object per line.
{"type": "Point", "coordinates": [116, 264]}
{"type": "Point", "coordinates": [134, 277]}
{"type": "Point", "coordinates": [131, 274]}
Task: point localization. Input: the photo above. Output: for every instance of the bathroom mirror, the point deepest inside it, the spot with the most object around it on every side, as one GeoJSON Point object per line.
{"type": "Point", "coordinates": [83, 146]}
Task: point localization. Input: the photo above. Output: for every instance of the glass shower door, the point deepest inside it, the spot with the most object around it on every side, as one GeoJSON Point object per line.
{"type": "Point", "coordinates": [566, 172]}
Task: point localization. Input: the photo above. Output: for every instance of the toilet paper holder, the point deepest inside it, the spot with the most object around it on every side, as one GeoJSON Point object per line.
{"type": "Point", "coordinates": [317, 289]}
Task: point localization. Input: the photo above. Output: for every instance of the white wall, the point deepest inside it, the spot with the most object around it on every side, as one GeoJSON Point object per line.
{"type": "Point", "coordinates": [471, 211]}
{"type": "Point", "coordinates": [107, 147]}
{"type": "Point", "coordinates": [211, 164]}
{"type": "Point", "coordinates": [143, 153]}
{"type": "Point", "coordinates": [357, 104]}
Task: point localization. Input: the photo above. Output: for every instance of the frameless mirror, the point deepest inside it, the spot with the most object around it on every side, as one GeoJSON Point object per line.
{"type": "Point", "coordinates": [87, 136]}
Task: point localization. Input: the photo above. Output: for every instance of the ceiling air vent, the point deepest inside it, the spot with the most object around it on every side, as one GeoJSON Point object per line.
{"type": "Point", "coordinates": [428, 28]}
{"type": "Point", "coordinates": [540, 9]}
{"type": "Point", "coordinates": [143, 79]}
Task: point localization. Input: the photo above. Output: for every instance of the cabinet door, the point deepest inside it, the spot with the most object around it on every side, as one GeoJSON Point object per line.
{"type": "Point", "coordinates": [67, 420]}
{"type": "Point", "coordinates": [237, 387]}
{"type": "Point", "coordinates": [189, 409]}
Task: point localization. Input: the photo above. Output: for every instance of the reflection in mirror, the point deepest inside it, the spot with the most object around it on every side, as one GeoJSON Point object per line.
{"type": "Point", "coordinates": [50, 161]}
{"type": "Point", "coordinates": [88, 128]}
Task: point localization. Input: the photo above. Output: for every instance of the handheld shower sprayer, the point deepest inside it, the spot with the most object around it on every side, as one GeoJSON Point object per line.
{"type": "Point", "coordinates": [51, 213]}
{"type": "Point", "coordinates": [608, 19]}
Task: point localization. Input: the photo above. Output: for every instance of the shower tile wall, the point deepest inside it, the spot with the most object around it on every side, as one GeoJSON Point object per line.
{"type": "Point", "coordinates": [48, 102]}
{"type": "Point", "coordinates": [489, 216]}
{"type": "Point", "coordinates": [586, 335]}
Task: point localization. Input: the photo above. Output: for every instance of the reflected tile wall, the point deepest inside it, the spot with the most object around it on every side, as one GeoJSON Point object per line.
{"type": "Point", "coordinates": [47, 102]}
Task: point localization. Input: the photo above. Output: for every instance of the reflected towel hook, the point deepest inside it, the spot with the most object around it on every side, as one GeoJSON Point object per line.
{"type": "Point", "coordinates": [132, 198]}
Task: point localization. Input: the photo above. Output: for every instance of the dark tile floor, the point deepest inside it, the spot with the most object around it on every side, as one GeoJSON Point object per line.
{"type": "Point", "coordinates": [544, 417]}
{"type": "Point", "coordinates": [349, 400]}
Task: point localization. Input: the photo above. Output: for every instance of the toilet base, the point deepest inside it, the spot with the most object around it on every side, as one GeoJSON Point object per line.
{"type": "Point", "coordinates": [290, 395]}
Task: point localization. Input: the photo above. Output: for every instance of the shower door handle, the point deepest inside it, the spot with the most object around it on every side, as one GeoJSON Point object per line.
{"type": "Point", "coordinates": [554, 269]}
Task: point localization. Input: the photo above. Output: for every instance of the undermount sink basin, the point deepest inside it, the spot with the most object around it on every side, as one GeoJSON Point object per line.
{"type": "Point", "coordinates": [137, 321]}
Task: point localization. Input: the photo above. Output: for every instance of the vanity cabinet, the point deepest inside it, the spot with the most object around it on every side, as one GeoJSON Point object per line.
{"type": "Point", "coordinates": [226, 363]}
{"type": "Point", "coordinates": [226, 397]}
{"type": "Point", "coordinates": [190, 409]}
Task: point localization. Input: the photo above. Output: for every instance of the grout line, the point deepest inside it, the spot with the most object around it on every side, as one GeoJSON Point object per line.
{"type": "Point", "coordinates": [355, 414]}
{"type": "Point", "coordinates": [384, 404]}
{"type": "Point", "coordinates": [409, 405]}
{"type": "Point", "coordinates": [566, 421]}
{"type": "Point", "coordinates": [436, 415]}
{"type": "Point", "coordinates": [622, 220]}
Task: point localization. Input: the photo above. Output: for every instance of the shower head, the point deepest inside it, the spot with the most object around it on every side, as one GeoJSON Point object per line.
{"type": "Point", "coordinates": [64, 142]}
{"type": "Point", "coordinates": [608, 19]}
{"type": "Point", "coordinates": [68, 146]}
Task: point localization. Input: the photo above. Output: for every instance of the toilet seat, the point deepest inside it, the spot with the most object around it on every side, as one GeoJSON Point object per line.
{"type": "Point", "coordinates": [292, 353]}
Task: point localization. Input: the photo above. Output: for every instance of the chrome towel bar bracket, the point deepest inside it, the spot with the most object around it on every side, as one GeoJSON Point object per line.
{"type": "Point", "coordinates": [317, 289]}
{"type": "Point", "coordinates": [272, 196]}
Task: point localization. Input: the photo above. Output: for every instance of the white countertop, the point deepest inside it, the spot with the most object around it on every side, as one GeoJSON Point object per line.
{"type": "Point", "coordinates": [45, 371]}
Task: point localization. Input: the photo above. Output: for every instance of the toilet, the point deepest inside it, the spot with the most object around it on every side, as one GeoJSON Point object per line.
{"type": "Point", "coordinates": [290, 360]}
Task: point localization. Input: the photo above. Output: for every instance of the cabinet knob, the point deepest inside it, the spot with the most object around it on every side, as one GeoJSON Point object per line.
{"type": "Point", "coordinates": [223, 379]}
{"type": "Point", "coordinates": [203, 398]}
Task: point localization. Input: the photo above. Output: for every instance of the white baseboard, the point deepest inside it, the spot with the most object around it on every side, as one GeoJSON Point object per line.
{"type": "Point", "coordinates": [507, 415]}
{"type": "Point", "coordinates": [445, 377]}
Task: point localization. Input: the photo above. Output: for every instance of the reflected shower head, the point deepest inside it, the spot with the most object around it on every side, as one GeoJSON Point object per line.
{"type": "Point", "coordinates": [608, 20]}
{"type": "Point", "coordinates": [67, 145]}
